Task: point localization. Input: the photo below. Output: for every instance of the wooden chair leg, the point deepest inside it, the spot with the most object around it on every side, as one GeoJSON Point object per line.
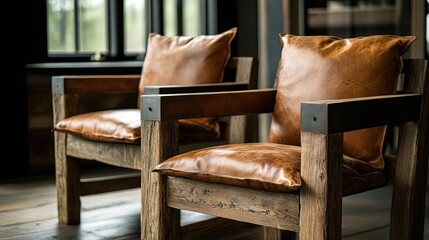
{"type": "Point", "coordinates": [407, 216]}
{"type": "Point", "coordinates": [67, 183]}
{"type": "Point", "coordinates": [158, 221]}
{"type": "Point", "coordinates": [321, 197]}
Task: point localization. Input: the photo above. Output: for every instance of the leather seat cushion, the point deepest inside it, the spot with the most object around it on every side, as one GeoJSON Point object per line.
{"type": "Point", "coordinates": [124, 126]}
{"type": "Point", "coordinates": [266, 166]}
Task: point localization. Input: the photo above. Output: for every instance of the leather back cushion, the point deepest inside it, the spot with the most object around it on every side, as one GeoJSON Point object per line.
{"type": "Point", "coordinates": [182, 60]}
{"type": "Point", "coordinates": [186, 60]}
{"type": "Point", "coordinates": [315, 68]}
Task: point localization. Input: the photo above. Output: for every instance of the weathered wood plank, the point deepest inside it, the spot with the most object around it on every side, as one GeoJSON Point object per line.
{"type": "Point", "coordinates": [95, 84]}
{"type": "Point", "coordinates": [116, 154]}
{"type": "Point", "coordinates": [334, 116]}
{"type": "Point", "coordinates": [214, 87]}
{"type": "Point", "coordinates": [243, 75]}
{"type": "Point", "coordinates": [410, 181]}
{"type": "Point", "coordinates": [176, 106]}
{"type": "Point", "coordinates": [277, 210]}
{"type": "Point", "coordinates": [159, 142]}
{"type": "Point", "coordinates": [321, 191]}
{"type": "Point", "coordinates": [67, 172]}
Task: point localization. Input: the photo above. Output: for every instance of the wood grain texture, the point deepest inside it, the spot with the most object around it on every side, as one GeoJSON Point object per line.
{"type": "Point", "coordinates": [212, 87]}
{"type": "Point", "coordinates": [95, 84]}
{"type": "Point", "coordinates": [67, 179]}
{"type": "Point", "coordinates": [242, 128]}
{"type": "Point", "coordinates": [342, 115]}
{"type": "Point", "coordinates": [237, 129]}
{"type": "Point", "coordinates": [66, 103]}
{"type": "Point", "coordinates": [159, 142]}
{"type": "Point", "coordinates": [321, 195]}
{"type": "Point", "coordinates": [407, 216]}
{"type": "Point", "coordinates": [67, 170]}
{"type": "Point", "coordinates": [176, 106]}
{"type": "Point", "coordinates": [116, 154]}
{"type": "Point", "coordinates": [243, 75]}
{"type": "Point", "coordinates": [276, 210]}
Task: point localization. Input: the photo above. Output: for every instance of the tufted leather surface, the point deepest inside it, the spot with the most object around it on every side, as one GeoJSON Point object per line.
{"type": "Point", "coordinates": [311, 68]}
{"type": "Point", "coordinates": [124, 125]}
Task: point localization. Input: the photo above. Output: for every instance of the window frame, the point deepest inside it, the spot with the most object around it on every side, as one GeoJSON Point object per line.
{"type": "Point", "coordinates": [115, 31]}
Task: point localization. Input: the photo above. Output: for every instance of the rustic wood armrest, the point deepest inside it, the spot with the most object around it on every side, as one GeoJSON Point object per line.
{"type": "Point", "coordinates": [179, 106]}
{"type": "Point", "coordinates": [335, 116]}
{"type": "Point", "coordinates": [211, 87]}
{"type": "Point", "coordinates": [95, 84]}
{"type": "Point", "coordinates": [68, 90]}
{"type": "Point", "coordinates": [322, 127]}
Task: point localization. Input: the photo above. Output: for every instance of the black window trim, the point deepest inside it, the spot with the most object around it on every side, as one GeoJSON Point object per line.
{"type": "Point", "coordinates": [154, 23]}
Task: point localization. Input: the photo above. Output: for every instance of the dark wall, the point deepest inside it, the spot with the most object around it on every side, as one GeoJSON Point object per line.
{"type": "Point", "coordinates": [244, 15]}
{"type": "Point", "coordinates": [22, 43]}
{"type": "Point", "coordinates": [23, 40]}
{"type": "Point", "coordinates": [247, 15]}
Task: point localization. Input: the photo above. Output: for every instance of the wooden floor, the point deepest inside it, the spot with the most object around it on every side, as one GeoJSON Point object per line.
{"type": "Point", "coordinates": [28, 211]}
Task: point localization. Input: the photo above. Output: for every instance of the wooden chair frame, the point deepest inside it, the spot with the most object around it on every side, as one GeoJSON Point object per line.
{"type": "Point", "coordinates": [67, 95]}
{"type": "Point", "coordinates": [316, 211]}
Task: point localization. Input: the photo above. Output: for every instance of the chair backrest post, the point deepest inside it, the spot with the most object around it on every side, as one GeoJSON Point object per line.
{"type": "Point", "coordinates": [245, 128]}
{"type": "Point", "coordinates": [410, 180]}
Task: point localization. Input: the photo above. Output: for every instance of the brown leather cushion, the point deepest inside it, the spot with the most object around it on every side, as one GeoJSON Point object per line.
{"type": "Point", "coordinates": [311, 68]}
{"type": "Point", "coordinates": [316, 68]}
{"type": "Point", "coordinates": [123, 125]}
{"type": "Point", "coordinates": [184, 60]}
{"type": "Point", "coordinates": [267, 166]}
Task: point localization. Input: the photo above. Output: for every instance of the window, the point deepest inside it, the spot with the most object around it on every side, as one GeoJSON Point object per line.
{"type": "Point", "coordinates": [350, 18]}
{"type": "Point", "coordinates": [181, 17]}
{"type": "Point", "coordinates": [134, 26]}
{"type": "Point", "coordinates": [77, 26]}
{"type": "Point", "coordinates": [116, 29]}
